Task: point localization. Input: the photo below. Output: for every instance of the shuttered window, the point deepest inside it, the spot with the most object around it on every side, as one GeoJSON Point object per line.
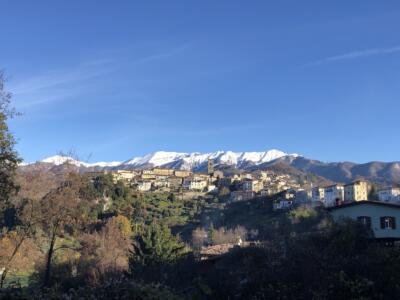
{"type": "Point", "coordinates": [366, 221]}
{"type": "Point", "coordinates": [388, 223]}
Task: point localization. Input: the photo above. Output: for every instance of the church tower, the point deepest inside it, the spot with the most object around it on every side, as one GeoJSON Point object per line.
{"type": "Point", "coordinates": [210, 167]}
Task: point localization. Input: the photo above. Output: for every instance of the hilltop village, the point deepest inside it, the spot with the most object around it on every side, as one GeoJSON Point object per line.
{"type": "Point", "coordinates": [285, 190]}
{"type": "Point", "coordinates": [237, 187]}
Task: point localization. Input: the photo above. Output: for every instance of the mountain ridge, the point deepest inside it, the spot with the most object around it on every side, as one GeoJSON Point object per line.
{"type": "Point", "coordinates": [184, 160]}
{"type": "Point", "coordinates": [344, 172]}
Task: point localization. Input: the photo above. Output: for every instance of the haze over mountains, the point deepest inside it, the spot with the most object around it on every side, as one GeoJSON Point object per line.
{"type": "Point", "coordinates": [388, 172]}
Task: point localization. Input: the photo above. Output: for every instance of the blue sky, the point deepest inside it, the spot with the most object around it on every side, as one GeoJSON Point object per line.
{"type": "Point", "coordinates": [115, 79]}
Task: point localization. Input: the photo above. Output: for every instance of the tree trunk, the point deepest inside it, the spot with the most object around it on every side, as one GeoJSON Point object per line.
{"type": "Point", "coordinates": [49, 259]}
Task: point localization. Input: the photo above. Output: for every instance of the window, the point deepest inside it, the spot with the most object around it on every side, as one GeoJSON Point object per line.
{"type": "Point", "coordinates": [366, 221]}
{"type": "Point", "coordinates": [388, 223]}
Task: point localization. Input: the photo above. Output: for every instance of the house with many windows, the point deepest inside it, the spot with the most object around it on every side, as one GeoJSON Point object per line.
{"type": "Point", "coordinates": [356, 191]}
{"type": "Point", "coordinates": [334, 195]}
{"type": "Point", "coordinates": [389, 194]}
{"type": "Point", "coordinates": [381, 217]}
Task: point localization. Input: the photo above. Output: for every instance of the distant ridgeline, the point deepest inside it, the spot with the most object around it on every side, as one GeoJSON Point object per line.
{"type": "Point", "coordinates": [234, 162]}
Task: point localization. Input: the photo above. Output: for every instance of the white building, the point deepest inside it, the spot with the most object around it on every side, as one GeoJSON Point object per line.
{"type": "Point", "coordinates": [212, 188]}
{"type": "Point", "coordinates": [143, 185]}
{"type": "Point", "coordinates": [195, 184]}
{"type": "Point", "coordinates": [334, 195]}
{"type": "Point", "coordinates": [318, 194]}
{"type": "Point", "coordinates": [389, 194]}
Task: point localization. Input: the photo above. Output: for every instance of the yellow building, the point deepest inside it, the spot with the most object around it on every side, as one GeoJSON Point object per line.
{"type": "Point", "coordinates": [356, 191]}
{"type": "Point", "coordinates": [164, 172]}
{"type": "Point", "coordinates": [146, 176]}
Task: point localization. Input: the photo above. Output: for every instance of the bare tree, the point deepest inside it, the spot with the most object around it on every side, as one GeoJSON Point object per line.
{"type": "Point", "coordinates": [106, 252]}
{"type": "Point", "coordinates": [27, 214]}
{"type": "Point", "coordinates": [61, 214]}
{"type": "Point", "coordinates": [228, 236]}
{"type": "Point", "coordinates": [199, 237]}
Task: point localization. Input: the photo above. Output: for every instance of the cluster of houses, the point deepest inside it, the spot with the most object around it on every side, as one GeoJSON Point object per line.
{"type": "Point", "coordinates": [351, 201]}
{"type": "Point", "coordinates": [161, 179]}
{"type": "Point", "coordinates": [248, 186]}
{"type": "Point", "coordinates": [240, 187]}
{"type": "Point", "coordinates": [342, 200]}
{"type": "Point", "coordinates": [336, 194]}
{"type": "Point", "coordinates": [359, 190]}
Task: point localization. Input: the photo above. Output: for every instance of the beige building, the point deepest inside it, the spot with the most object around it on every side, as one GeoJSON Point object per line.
{"type": "Point", "coordinates": [123, 175]}
{"type": "Point", "coordinates": [149, 172]}
{"type": "Point", "coordinates": [164, 172]}
{"type": "Point", "coordinates": [175, 183]}
{"type": "Point", "coordinates": [182, 173]}
{"type": "Point", "coordinates": [148, 176]}
{"type": "Point", "coordinates": [356, 191]}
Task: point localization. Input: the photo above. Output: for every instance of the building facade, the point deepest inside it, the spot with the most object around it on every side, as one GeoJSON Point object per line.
{"type": "Point", "coordinates": [389, 194]}
{"type": "Point", "coordinates": [381, 217]}
{"type": "Point", "coordinates": [163, 172]}
{"type": "Point", "coordinates": [356, 191]}
{"type": "Point", "coordinates": [333, 195]}
{"type": "Point", "coordinates": [182, 173]}
{"type": "Point", "coordinates": [318, 194]}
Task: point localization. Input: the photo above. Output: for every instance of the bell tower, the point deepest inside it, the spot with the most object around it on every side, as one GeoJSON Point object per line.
{"type": "Point", "coordinates": [210, 166]}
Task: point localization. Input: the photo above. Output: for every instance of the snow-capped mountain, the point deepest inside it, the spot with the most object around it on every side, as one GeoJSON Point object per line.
{"type": "Point", "coordinates": [177, 160]}
{"type": "Point", "coordinates": [192, 161]}
{"type": "Point", "coordinates": [58, 160]}
{"type": "Point", "coordinates": [250, 161]}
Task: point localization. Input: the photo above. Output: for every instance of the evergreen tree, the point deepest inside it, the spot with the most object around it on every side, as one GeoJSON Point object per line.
{"type": "Point", "coordinates": [157, 246]}
{"type": "Point", "coordinates": [9, 158]}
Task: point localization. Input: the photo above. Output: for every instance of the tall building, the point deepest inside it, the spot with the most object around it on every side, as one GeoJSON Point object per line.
{"type": "Point", "coordinates": [356, 191]}
{"type": "Point", "coordinates": [210, 166]}
{"type": "Point", "coordinates": [334, 195]}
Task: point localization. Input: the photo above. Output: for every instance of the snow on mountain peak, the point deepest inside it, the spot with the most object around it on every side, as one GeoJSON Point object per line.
{"type": "Point", "coordinates": [181, 160]}
{"type": "Point", "coordinates": [195, 159]}
{"type": "Point", "coordinates": [60, 159]}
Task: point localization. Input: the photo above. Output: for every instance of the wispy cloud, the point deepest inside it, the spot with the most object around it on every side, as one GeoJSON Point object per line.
{"type": "Point", "coordinates": [353, 55]}
{"type": "Point", "coordinates": [62, 84]}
